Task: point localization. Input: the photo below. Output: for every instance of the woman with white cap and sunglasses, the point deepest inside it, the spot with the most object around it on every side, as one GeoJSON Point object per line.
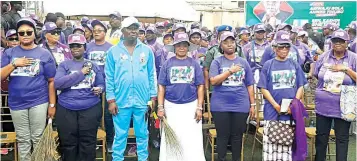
{"type": "Point", "coordinates": [180, 99]}
{"type": "Point", "coordinates": [32, 95]}
{"type": "Point", "coordinates": [79, 107]}
{"type": "Point", "coordinates": [232, 96]}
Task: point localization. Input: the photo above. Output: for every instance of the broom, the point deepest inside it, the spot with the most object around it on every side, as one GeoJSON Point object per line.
{"type": "Point", "coordinates": [173, 145]}
{"type": "Point", "coordinates": [46, 149]}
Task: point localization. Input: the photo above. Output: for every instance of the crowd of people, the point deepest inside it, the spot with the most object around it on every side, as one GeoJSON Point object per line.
{"type": "Point", "coordinates": [58, 70]}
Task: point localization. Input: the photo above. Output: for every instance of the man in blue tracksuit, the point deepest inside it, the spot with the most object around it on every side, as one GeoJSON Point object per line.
{"type": "Point", "coordinates": [130, 84]}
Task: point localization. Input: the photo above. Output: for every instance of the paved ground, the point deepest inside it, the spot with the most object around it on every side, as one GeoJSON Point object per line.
{"type": "Point", "coordinates": [247, 152]}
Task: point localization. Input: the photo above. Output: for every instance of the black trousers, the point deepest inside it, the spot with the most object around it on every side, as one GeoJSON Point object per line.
{"type": "Point", "coordinates": [77, 131]}
{"type": "Point", "coordinates": [230, 125]}
{"type": "Point", "coordinates": [323, 127]}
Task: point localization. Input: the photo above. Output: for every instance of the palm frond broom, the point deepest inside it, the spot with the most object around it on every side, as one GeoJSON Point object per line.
{"type": "Point", "coordinates": [46, 149]}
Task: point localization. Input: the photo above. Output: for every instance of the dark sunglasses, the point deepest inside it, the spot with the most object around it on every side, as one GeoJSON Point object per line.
{"type": "Point", "coordinates": [335, 41]}
{"type": "Point", "coordinates": [282, 46]}
{"type": "Point", "coordinates": [260, 32]}
{"type": "Point", "coordinates": [75, 46]}
{"type": "Point", "coordinates": [28, 33]}
{"type": "Point", "coordinates": [12, 39]}
{"type": "Point", "coordinates": [55, 32]}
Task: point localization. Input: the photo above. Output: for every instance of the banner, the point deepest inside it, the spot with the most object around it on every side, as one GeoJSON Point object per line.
{"type": "Point", "coordinates": [298, 13]}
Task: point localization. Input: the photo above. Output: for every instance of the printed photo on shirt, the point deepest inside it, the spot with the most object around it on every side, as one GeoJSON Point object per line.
{"type": "Point", "coordinates": [236, 79]}
{"type": "Point", "coordinates": [182, 74]}
{"type": "Point", "coordinates": [258, 55]}
{"type": "Point", "coordinates": [27, 71]}
{"type": "Point", "coordinates": [283, 79]}
{"type": "Point", "coordinates": [59, 57]}
{"type": "Point", "coordinates": [293, 55]}
{"type": "Point", "coordinates": [98, 57]}
{"type": "Point", "coordinates": [332, 80]}
{"type": "Point", "coordinates": [87, 82]}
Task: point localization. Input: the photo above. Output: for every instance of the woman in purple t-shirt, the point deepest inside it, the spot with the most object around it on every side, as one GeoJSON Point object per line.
{"type": "Point", "coordinates": [334, 68]}
{"type": "Point", "coordinates": [180, 98]}
{"type": "Point", "coordinates": [232, 97]}
{"type": "Point", "coordinates": [32, 95]}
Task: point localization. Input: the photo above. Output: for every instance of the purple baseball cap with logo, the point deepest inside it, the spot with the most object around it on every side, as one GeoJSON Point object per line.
{"type": "Point", "coordinates": [282, 37]}
{"type": "Point", "coordinates": [76, 39]}
{"type": "Point", "coordinates": [10, 33]}
{"type": "Point", "coordinates": [259, 27]}
{"type": "Point", "coordinates": [245, 31]}
{"type": "Point", "coordinates": [340, 34]}
{"type": "Point", "coordinates": [49, 26]}
{"type": "Point", "coordinates": [227, 35]}
{"type": "Point", "coordinates": [330, 26]}
{"type": "Point", "coordinates": [177, 26]}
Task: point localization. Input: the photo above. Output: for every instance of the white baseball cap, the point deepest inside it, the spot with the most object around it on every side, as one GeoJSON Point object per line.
{"type": "Point", "coordinates": [130, 21]}
{"type": "Point", "coordinates": [300, 33]}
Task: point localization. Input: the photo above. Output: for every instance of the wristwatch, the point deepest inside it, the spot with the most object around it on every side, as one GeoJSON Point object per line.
{"type": "Point", "coordinates": [230, 72]}
{"type": "Point", "coordinates": [13, 64]}
{"type": "Point", "coordinates": [52, 105]}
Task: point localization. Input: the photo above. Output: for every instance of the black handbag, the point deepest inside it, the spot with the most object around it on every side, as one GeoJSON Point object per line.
{"type": "Point", "coordinates": [281, 133]}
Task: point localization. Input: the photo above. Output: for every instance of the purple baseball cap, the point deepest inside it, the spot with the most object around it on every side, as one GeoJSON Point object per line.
{"type": "Point", "coordinates": [76, 39]}
{"type": "Point", "coordinates": [178, 26]}
{"type": "Point", "coordinates": [282, 37]}
{"type": "Point", "coordinates": [49, 26]}
{"type": "Point", "coordinates": [84, 20]}
{"type": "Point", "coordinates": [79, 27]}
{"type": "Point", "coordinates": [226, 35]}
{"type": "Point", "coordinates": [88, 25]}
{"type": "Point", "coordinates": [167, 34]}
{"type": "Point", "coordinates": [283, 25]}
{"type": "Point", "coordinates": [97, 22]}
{"type": "Point", "coordinates": [259, 27]}
{"type": "Point", "coordinates": [340, 34]}
{"type": "Point", "coordinates": [195, 31]}
{"type": "Point", "coordinates": [10, 33]}
{"type": "Point", "coordinates": [151, 28]}
{"type": "Point", "coordinates": [330, 26]}
{"type": "Point", "coordinates": [27, 21]}
{"type": "Point", "coordinates": [116, 14]}
{"type": "Point", "coordinates": [178, 38]}
{"type": "Point", "coordinates": [245, 31]}
{"type": "Point", "coordinates": [34, 17]}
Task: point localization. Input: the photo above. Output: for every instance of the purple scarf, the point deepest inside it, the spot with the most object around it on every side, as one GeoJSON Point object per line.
{"type": "Point", "coordinates": [300, 143]}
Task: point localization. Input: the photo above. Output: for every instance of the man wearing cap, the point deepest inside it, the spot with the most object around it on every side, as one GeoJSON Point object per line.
{"type": "Point", "coordinates": [303, 50]}
{"type": "Point", "coordinates": [160, 28]}
{"type": "Point", "coordinates": [303, 37]}
{"type": "Point", "coordinates": [32, 94]}
{"type": "Point", "coordinates": [243, 38]}
{"type": "Point", "coordinates": [328, 29]}
{"type": "Point", "coordinates": [255, 49]}
{"type": "Point", "coordinates": [60, 22]}
{"type": "Point", "coordinates": [163, 54]}
{"type": "Point", "coordinates": [151, 38]}
{"type": "Point", "coordinates": [142, 33]}
{"type": "Point", "coordinates": [130, 83]}
{"type": "Point", "coordinates": [114, 33]}
{"type": "Point", "coordinates": [214, 53]}
{"type": "Point", "coordinates": [59, 51]}
{"type": "Point", "coordinates": [11, 38]}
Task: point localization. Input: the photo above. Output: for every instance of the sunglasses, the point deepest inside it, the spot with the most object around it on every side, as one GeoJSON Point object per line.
{"type": "Point", "coordinates": [260, 32]}
{"type": "Point", "coordinates": [75, 46]}
{"type": "Point", "coordinates": [281, 47]}
{"type": "Point", "coordinates": [340, 41]}
{"type": "Point", "coordinates": [12, 39]}
{"type": "Point", "coordinates": [55, 32]}
{"type": "Point", "coordinates": [28, 33]}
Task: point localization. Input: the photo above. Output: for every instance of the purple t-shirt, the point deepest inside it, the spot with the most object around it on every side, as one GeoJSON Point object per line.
{"type": "Point", "coordinates": [97, 53]}
{"type": "Point", "coordinates": [270, 54]}
{"type": "Point", "coordinates": [28, 86]}
{"type": "Point", "coordinates": [181, 78]}
{"type": "Point", "coordinates": [327, 96]}
{"type": "Point", "coordinates": [282, 79]}
{"type": "Point", "coordinates": [155, 46]}
{"type": "Point", "coordinates": [258, 53]}
{"type": "Point", "coordinates": [232, 95]}
{"type": "Point", "coordinates": [76, 88]}
{"type": "Point", "coordinates": [60, 53]}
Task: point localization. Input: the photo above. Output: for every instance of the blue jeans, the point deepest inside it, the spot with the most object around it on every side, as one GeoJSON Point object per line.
{"type": "Point", "coordinates": [122, 123]}
{"type": "Point", "coordinates": [109, 125]}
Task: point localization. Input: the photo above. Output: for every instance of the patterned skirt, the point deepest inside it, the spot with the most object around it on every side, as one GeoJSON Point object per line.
{"type": "Point", "coordinates": [275, 152]}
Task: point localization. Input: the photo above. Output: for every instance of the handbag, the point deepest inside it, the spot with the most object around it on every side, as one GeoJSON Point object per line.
{"type": "Point", "coordinates": [348, 103]}
{"type": "Point", "coordinates": [281, 133]}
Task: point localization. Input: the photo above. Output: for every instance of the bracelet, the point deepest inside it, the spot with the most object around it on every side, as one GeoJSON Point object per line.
{"type": "Point", "coordinates": [230, 72]}
{"type": "Point", "coordinates": [253, 104]}
{"type": "Point", "coordinates": [13, 64]}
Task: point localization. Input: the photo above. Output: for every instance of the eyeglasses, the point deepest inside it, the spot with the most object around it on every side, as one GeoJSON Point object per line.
{"type": "Point", "coordinates": [98, 31]}
{"type": "Point", "coordinates": [260, 32]}
{"type": "Point", "coordinates": [75, 46]}
{"type": "Point", "coordinates": [12, 39]}
{"type": "Point", "coordinates": [28, 33]}
{"type": "Point", "coordinates": [281, 47]}
{"type": "Point", "coordinates": [338, 40]}
{"type": "Point", "coordinates": [55, 32]}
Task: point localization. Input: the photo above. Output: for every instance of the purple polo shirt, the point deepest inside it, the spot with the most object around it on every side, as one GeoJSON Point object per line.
{"type": "Point", "coordinates": [304, 52]}
{"type": "Point", "coordinates": [327, 96]}
{"type": "Point", "coordinates": [76, 88]}
{"type": "Point", "coordinates": [282, 79]}
{"type": "Point", "coordinates": [181, 78]}
{"type": "Point", "coordinates": [60, 53]}
{"type": "Point", "coordinates": [232, 95]}
{"type": "Point", "coordinates": [28, 86]}
{"type": "Point", "coordinates": [97, 53]}
{"type": "Point", "coordinates": [250, 50]}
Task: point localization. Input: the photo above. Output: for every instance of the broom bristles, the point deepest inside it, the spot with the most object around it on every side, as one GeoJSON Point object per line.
{"type": "Point", "coordinates": [46, 148]}
{"type": "Point", "coordinates": [173, 145]}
